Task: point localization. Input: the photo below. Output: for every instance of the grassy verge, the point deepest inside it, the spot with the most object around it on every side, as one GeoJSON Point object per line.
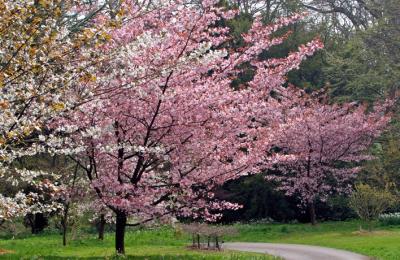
{"type": "Point", "coordinates": [381, 243]}
{"type": "Point", "coordinates": [161, 243]}
{"type": "Point", "coordinates": [166, 243]}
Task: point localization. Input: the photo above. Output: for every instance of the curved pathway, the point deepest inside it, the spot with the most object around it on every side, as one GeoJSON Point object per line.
{"type": "Point", "coordinates": [295, 252]}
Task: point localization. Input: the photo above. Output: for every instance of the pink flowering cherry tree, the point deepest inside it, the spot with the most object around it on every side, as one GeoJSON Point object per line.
{"type": "Point", "coordinates": [320, 145]}
{"type": "Point", "coordinates": [165, 127]}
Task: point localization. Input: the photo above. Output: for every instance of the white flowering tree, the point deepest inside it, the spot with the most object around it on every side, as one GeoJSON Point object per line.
{"type": "Point", "coordinates": [46, 48]}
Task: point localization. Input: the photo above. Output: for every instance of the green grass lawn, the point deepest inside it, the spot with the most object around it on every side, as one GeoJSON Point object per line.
{"type": "Point", "coordinates": [163, 243]}
{"type": "Point", "coordinates": [381, 243]}
{"type": "Point", "coordinates": [166, 243]}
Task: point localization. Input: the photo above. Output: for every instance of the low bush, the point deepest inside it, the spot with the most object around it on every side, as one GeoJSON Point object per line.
{"type": "Point", "coordinates": [389, 219]}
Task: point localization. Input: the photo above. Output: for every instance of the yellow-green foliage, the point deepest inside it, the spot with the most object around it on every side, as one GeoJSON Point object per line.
{"type": "Point", "coordinates": [368, 202]}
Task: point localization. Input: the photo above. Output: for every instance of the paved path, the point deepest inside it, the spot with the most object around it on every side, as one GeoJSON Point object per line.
{"type": "Point", "coordinates": [295, 252]}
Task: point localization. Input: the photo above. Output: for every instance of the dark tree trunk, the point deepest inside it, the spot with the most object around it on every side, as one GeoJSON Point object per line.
{"type": "Point", "coordinates": [313, 217]}
{"type": "Point", "coordinates": [120, 233]}
{"type": "Point", "coordinates": [198, 241]}
{"type": "Point", "coordinates": [101, 226]}
{"type": "Point", "coordinates": [217, 243]}
{"type": "Point", "coordinates": [41, 222]}
{"type": "Point", "coordinates": [64, 223]}
{"type": "Point", "coordinates": [64, 235]}
{"type": "Point", "coordinates": [37, 222]}
{"type": "Point", "coordinates": [30, 220]}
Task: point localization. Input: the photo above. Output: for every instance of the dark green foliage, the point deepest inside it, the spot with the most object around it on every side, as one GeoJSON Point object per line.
{"type": "Point", "coordinates": [367, 67]}
{"type": "Point", "coordinates": [384, 171]}
{"type": "Point", "coordinates": [262, 202]}
{"type": "Point", "coordinates": [259, 198]}
{"type": "Point", "coordinates": [336, 208]}
{"type": "Point", "coordinates": [356, 72]}
{"type": "Point", "coordinates": [239, 25]}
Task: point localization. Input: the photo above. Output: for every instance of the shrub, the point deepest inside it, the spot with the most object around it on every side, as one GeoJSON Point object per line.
{"type": "Point", "coordinates": [369, 202]}
{"type": "Point", "coordinates": [389, 219]}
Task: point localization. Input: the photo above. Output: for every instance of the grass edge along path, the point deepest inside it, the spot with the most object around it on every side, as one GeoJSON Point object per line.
{"type": "Point", "coordinates": [381, 243]}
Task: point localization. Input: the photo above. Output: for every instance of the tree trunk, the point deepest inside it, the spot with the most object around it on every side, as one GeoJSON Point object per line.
{"type": "Point", "coordinates": [41, 222]}
{"type": "Point", "coordinates": [313, 217]}
{"type": "Point", "coordinates": [38, 222]}
{"type": "Point", "coordinates": [217, 243]}
{"type": "Point", "coordinates": [64, 223]}
{"type": "Point", "coordinates": [64, 235]}
{"type": "Point", "coordinates": [30, 220]}
{"type": "Point", "coordinates": [120, 233]}
{"type": "Point", "coordinates": [64, 220]}
{"type": "Point", "coordinates": [102, 224]}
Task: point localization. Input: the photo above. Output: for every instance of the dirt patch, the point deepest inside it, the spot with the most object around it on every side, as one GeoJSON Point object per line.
{"type": "Point", "coordinates": [4, 251]}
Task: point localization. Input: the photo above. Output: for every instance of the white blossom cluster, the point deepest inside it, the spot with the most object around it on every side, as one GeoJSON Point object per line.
{"type": "Point", "coordinates": [21, 204]}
